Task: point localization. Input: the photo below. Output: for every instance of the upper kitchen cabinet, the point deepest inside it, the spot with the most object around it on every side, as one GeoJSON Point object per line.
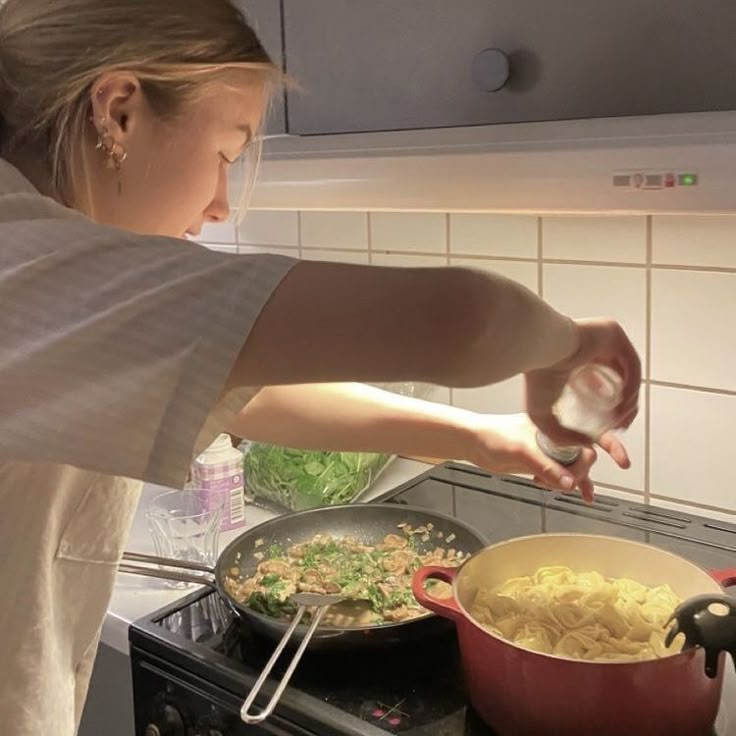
{"type": "Point", "coordinates": [265, 17]}
{"type": "Point", "coordinates": [372, 65]}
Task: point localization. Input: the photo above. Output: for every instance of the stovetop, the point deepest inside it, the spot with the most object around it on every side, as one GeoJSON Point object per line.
{"type": "Point", "coordinates": [417, 689]}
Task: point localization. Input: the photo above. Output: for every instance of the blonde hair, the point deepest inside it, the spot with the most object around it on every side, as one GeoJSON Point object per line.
{"type": "Point", "coordinates": [52, 51]}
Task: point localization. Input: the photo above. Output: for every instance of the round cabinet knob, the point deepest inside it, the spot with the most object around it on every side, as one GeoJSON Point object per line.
{"type": "Point", "coordinates": [491, 70]}
{"type": "Point", "coordinates": [152, 730]}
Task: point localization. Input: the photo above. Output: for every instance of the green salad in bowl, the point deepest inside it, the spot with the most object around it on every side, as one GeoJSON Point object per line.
{"type": "Point", "coordinates": [303, 479]}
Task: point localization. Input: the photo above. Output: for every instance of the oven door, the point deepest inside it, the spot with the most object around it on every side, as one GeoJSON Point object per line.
{"type": "Point", "coordinates": [173, 702]}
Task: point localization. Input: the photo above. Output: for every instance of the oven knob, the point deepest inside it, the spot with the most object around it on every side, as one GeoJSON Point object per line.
{"type": "Point", "coordinates": [168, 723]}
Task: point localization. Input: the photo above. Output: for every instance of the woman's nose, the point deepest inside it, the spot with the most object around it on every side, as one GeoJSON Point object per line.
{"type": "Point", "coordinates": [218, 209]}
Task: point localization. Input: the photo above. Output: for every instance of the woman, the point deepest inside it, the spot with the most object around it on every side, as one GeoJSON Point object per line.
{"type": "Point", "coordinates": [125, 348]}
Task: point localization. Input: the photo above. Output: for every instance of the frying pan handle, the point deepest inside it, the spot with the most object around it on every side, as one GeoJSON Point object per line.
{"type": "Point", "coordinates": [184, 571]}
{"type": "Point", "coordinates": [446, 607]}
{"type": "Point", "coordinates": [724, 577]}
{"type": "Point", "coordinates": [245, 712]}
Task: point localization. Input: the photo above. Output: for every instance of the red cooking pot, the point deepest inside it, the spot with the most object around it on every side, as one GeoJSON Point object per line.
{"type": "Point", "coordinates": [520, 692]}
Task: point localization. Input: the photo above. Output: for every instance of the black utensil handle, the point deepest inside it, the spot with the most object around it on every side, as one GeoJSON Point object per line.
{"type": "Point", "coordinates": [702, 627]}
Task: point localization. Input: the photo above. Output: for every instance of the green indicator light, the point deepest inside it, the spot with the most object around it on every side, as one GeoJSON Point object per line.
{"type": "Point", "coordinates": [688, 180]}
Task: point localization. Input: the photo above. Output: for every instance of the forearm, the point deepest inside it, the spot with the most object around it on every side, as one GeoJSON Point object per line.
{"type": "Point", "coordinates": [350, 416]}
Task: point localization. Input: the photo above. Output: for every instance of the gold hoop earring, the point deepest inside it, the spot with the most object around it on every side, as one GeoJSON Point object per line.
{"type": "Point", "coordinates": [114, 152]}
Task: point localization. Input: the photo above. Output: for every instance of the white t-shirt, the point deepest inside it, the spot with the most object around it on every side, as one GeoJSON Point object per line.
{"type": "Point", "coordinates": [114, 353]}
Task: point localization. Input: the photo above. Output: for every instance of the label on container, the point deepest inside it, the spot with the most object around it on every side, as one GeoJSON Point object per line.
{"type": "Point", "coordinates": [222, 483]}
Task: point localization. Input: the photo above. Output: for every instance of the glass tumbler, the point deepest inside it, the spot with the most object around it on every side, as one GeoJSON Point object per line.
{"type": "Point", "coordinates": [185, 526]}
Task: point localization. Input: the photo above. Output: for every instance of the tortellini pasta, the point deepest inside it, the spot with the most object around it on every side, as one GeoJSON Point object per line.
{"type": "Point", "coordinates": [579, 615]}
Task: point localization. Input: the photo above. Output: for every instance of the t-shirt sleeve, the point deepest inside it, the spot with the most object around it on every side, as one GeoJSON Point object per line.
{"type": "Point", "coordinates": [116, 348]}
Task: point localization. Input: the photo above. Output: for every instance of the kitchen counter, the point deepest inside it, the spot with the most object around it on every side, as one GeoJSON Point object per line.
{"type": "Point", "coordinates": [135, 596]}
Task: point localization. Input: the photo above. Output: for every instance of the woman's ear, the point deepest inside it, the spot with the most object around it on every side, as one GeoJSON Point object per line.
{"type": "Point", "coordinates": [117, 104]}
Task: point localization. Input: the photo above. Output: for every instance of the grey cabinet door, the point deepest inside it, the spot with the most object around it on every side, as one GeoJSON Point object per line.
{"type": "Point", "coordinates": [369, 65]}
{"type": "Point", "coordinates": [265, 17]}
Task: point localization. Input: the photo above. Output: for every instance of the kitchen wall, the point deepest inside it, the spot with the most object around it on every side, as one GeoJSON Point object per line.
{"type": "Point", "coordinates": [669, 279]}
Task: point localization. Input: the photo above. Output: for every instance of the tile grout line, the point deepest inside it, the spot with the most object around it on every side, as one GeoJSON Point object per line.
{"type": "Point", "coordinates": [690, 267]}
{"type": "Point", "coordinates": [693, 505]}
{"type": "Point", "coordinates": [614, 487]}
{"type": "Point", "coordinates": [692, 387]}
{"type": "Point", "coordinates": [648, 371]}
{"type": "Point", "coordinates": [573, 262]}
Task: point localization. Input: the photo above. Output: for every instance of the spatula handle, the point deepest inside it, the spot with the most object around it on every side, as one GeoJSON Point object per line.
{"type": "Point", "coordinates": [245, 712]}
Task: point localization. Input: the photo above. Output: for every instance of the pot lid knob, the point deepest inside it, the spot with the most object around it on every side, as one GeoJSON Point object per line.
{"type": "Point", "coordinates": [707, 621]}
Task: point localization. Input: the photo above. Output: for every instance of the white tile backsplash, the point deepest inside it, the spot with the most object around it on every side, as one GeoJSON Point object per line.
{"type": "Point", "coordinates": [510, 236]}
{"type": "Point", "coordinates": [270, 227]}
{"type": "Point", "coordinates": [218, 232]}
{"type": "Point", "coordinates": [409, 231]}
{"type": "Point", "coordinates": [690, 338]}
{"type": "Point", "coordinates": [694, 240]}
{"type": "Point", "coordinates": [335, 230]}
{"type": "Point", "coordinates": [693, 328]}
{"type": "Point", "coordinates": [692, 446]}
{"type": "Point", "coordinates": [617, 239]}
{"type": "Point", "coordinates": [600, 291]}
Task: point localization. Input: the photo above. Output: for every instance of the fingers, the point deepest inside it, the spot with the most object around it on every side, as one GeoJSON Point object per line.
{"type": "Point", "coordinates": [549, 473]}
{"type": "Point", "coordinates": [615, 448]}
{"type": "Point", "coordinates": [554, 476]}
{"type": "Point", "coordinates": [586, 489]}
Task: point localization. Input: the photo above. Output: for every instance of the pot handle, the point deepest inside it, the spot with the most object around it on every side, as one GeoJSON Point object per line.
{"type": "Point", "coordinates": [445, 607]}
{"type": "Point", "coordinates": [724, 577]}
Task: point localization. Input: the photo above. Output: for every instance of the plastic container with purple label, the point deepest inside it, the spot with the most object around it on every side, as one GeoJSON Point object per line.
{"type": "Point", "coordinates": [217, 475]}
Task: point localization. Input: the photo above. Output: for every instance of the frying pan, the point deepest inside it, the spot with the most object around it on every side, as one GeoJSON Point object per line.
{"type": "Point", "coordinates": [369, 523]}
